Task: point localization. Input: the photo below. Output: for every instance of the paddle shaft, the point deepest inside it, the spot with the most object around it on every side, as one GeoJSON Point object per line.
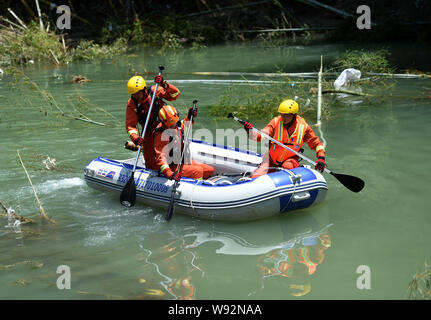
{"type": "Point", "coordinates": [176, 183]}
{"type": "Point", "coordinates": [144, 130]}
{"type": "Point", "coordinates": [128, 195]}
{"type": "Point", "coordinates": [187, 134]}
{"type": "Point", "coordinates": [354, 184]}
{"type": "Point", "coordinates": [282, 145]}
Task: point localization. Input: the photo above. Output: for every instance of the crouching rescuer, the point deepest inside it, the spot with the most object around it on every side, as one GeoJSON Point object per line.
{"type": "Point", "coordinates": [291, 130]}
{"type": "Point", "coordinates": [169, 146]}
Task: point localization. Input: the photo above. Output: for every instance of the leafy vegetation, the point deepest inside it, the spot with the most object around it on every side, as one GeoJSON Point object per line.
{"type": "Point", "coordinates": [35, 45]}
{"type": "Point", "coordinates": [366, 61]}
{"type": "Point", "coordinates": [31, 44]}
{"type": "Point", "coordinates": [262, 101]}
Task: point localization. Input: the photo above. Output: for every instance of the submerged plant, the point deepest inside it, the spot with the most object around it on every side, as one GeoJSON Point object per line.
{"type": "Point", "coordinates": [30, 97]}
{"type": "Point", "coordinates": [420, 287]}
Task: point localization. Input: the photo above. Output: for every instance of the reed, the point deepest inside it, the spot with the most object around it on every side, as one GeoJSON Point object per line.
{"type": "Point", "coordinates": [420, 286]}
{"type": "Point", "coordinates": [41, 209]}
{"type": "Point", "coordinates": [31, 96]}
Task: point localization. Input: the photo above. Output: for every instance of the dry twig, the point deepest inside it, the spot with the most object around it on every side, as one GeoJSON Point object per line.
{"type": "Point", "coordinates": [42, 210]}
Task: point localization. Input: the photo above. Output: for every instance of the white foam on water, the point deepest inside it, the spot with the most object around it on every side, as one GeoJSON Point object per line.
{"type": "Point", "coordinates": [55, 185]}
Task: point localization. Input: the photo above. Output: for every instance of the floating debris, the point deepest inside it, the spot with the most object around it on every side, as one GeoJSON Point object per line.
{"type": "Point", "coordinates": [10, 213]}
{"type": "Point", "coordinates": [31, 264]}
{"type": "Point", "coordinates": [49, 163]}
{"type": "Point", "coordinates": [80, 79]}
{"type": "Point", "coordinates": [22, 282]}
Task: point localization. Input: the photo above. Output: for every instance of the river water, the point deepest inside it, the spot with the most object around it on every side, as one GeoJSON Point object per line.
{"type": "Point", "coordinates": [324, 252]}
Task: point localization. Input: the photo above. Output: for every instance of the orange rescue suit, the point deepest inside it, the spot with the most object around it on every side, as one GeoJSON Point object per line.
{"type": "Point", "coordinates": [195, 170]}
{"type": "Point", "coordinates": [137, 111]}
{"type": "Point", "coordinates": [293, 136]}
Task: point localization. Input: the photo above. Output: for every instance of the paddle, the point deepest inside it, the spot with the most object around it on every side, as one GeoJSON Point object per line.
{"type": "Point", "coordinates": [128, 195]}
{"type": "Point", "coordinates": [352, 183]}
{"type": "Point", "coordinates": [176, 183]}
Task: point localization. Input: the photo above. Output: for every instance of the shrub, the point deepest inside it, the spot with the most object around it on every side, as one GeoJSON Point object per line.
{"type": "Point", "coordinates": [365, 61]}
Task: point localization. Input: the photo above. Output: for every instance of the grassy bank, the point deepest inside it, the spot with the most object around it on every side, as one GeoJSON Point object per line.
{"type": "Point", "coordinates": [22, 46]}
{"type": "Point", "coordinates": [31, 45]}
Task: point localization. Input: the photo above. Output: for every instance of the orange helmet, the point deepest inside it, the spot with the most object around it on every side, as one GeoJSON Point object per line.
{"type": "Point", "coordinates": [168, 115]}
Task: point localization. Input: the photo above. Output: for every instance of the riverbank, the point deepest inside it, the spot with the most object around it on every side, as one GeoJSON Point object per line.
{"type": "Point", "coordinates": [108, 31]}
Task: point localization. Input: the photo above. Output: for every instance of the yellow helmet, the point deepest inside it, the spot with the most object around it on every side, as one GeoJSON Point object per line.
{"type": "Point", "coordinates": [288, 106]}
{"type": "Point", "coordinates": [135, 84]}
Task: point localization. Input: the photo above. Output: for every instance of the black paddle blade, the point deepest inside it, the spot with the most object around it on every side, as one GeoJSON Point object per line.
{"type": "Point", "coordinates": [128, 195]}
{"type": "Point", "coordinates": [230, 115]}
{"type": "Point", "coordinates": [352, 183]}
{"type": "Point", "coordinates": [171, 208]}
{"type": "Point", "coordinates": [170, 212]}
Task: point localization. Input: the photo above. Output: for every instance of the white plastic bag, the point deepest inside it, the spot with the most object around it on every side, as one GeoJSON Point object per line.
{"type": "Point", "coordinates": [347, 76]}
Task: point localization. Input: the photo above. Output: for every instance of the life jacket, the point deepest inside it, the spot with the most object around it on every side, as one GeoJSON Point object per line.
{"type": "Point", "coordinates": [279, 154]}
{"type": "Point", "coordinates": [143, 107]}
{"type": "Point", "coordinates": [178, 146]}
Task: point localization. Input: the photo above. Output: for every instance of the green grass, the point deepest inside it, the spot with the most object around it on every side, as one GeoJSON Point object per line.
{"type": "Point", "coordinates": [36, 45]}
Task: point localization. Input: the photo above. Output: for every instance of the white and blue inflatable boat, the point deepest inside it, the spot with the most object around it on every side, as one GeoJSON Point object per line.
{"type": "Point", "coordinates": [229, 195]}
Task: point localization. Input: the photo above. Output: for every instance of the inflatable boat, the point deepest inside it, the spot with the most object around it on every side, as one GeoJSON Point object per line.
{"type": "Point", "coordinates": [228, 195]}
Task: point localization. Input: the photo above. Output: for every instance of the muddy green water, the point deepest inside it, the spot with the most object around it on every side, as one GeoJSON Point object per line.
{"type": "Point", "coordinates": [119, 253]}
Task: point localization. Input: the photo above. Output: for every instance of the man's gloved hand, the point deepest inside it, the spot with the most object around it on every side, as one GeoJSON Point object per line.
{"type": "Point", "coordinates": [320, 164]}
{"type": "Point", "coordinates": [248, 125]}
{"type": "Point", "coordinates": [191, 112]}
{"type": "Point", "coordinates": [139, 141]}
{"type": "Point", "coordinates": [159, 79]}
{"type": "Point", "coordinates": [176, 176]}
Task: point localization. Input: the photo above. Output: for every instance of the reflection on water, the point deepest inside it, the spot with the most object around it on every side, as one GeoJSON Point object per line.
{"type": "Point", "coordinates": [175, 265]}
{"type": "Point", "coordinates": [290, 247]}
{"type": "Point", "coordinates": [297, 263]}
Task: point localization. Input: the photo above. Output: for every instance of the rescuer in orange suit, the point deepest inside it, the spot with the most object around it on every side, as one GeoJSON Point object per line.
{"type": "Point", "coordinates": [291, 130]}
{"type": "Point", "coordinates": [168, 158]}
{"type": "Point", "coordinates": [137, 111]}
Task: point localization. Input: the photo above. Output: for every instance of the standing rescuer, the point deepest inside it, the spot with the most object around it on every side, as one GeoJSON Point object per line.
{"type": "Point", "coordinates": [137, 111]}
{"type": "Point", "coordinates": [291, 130]}
{"type": "Point", "coordinates": [169, 145]}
